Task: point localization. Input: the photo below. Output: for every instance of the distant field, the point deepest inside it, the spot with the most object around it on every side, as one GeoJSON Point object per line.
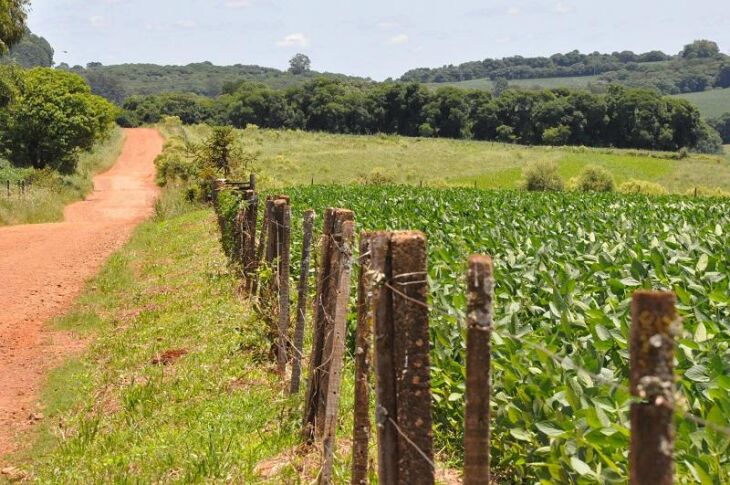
{"type": "Point", "coordinates": [547, 83]}
{"type": "Point", "coordinates": [711, 103]}
{"type": "Point", "coordinates": [293, 157]}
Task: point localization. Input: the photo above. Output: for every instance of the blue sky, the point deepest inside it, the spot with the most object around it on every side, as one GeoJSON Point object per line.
{"type": "Point", "coordinates": [371, 38]}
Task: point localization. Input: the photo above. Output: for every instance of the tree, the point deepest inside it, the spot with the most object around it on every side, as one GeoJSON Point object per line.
{"type": "Point", "coordinates": [106, 86]}
{"type": "Point", "coordinates": [31, 51]}
{"type": "Point", "coordinates": [51, 119]}
{"type": "Point", "coordinates": [219, 152]}
{"type": "Point", "coordinates": [700, 49]}
{"type": "Point", "coordinates": [723, 77]}
{"type": "Point", "coordinates": [13, 14]}
{"type": "Point", "coordinates": [500, 86]}
{"type": "Point", "coordinates": [300, 64]}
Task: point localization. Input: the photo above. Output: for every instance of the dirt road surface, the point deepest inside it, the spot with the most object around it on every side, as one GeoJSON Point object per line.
{"type": "Point", "coordinates": [43, 268]}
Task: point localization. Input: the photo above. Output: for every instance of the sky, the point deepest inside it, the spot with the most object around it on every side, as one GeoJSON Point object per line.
{"type": "Point", "coordinates": [369, 38]}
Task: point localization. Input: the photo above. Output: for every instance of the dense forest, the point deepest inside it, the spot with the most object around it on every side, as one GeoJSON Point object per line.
{"type": "Point", "coordinates": [624, 117]}
{"type": "Point", "coordinates": [121, 81]}
{"type": "Point", "coordinates": [30, 51]}
{"type": "Point", "coordinates": [699, 66]}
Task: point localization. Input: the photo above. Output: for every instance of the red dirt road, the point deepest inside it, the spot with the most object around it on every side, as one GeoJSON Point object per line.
{"type": "Point", "coordinates": [43, 268]}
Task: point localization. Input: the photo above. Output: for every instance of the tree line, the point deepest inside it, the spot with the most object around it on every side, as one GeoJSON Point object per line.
{"type": "Point", "coordinates": [699, 66]}
{"type": "Point", "coordinates": [623, 117]}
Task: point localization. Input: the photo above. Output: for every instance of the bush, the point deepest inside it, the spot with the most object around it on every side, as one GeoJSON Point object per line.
{"type": "Point", "coordinates": [377, 176]}
{"type": "Point", "coordinates": [557, 136]}
{"type": "Point", "coordinates": [543, 177]}
{"type": "Point", "coordinates": [643, 187]}
{"type": "Point", "coordinates": [595, 179]}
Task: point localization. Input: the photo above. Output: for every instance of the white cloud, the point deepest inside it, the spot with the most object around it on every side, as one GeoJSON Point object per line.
{"type": "Point", "coordinates": [239, 3]}
{"type": "Point", "coordinates": [186, 24]}
{"type": "Point", "coordinates": [399, 39]}
{"type": "Point", "coordinates": [513, 11]}
{"type": "Point", "coordinates": [388, 25]}
{"type": "Point", "coordinates": [503, 40]}
{"type": "Point", "coordinates": [97, 21]}
{"type": "Point", "coordinates": [296, 39]}
{"type": "Point", "coordinates": [562, 7]}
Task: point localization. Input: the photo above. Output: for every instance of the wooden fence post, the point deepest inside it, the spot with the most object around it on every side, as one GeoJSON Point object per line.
{"type": "Point", "coordinates": [262, 244]}
{"type": "Point", "coordinates": [654, 324]}
{"type": "Point", "coordinates": [363, 343]}
{"type": "Point", "coordinates": [480, 294]}
{"type": "Point", "coordinates": [249, 238]}
{"type": "Point", "coordinates": [332, 289]}
{"type": "Point", "coordinates": [282, 217]}
{"type": "Point", "coordinates": [335, 345]}
{"type": "Point", "coordinates": [302, 295]}
{"type": "Point", "coordinates": [405, 435]}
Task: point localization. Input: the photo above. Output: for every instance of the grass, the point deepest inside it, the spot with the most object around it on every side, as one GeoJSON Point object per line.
{"type": "Point", "coordinates": [712, 103]}
{"type": "Point", "coordinates": [486, 84]}
{"type": "Point", "coordinates": [50, 193]}
{"type": "Point", "coordinates": [294, 157]}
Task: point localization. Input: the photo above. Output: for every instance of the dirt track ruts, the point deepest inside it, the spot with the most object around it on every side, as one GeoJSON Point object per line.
{"type": "Point", "coordinates": [43, 268]}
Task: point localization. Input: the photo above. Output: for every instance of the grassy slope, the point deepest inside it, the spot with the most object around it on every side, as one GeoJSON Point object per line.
{"type": "Point", "coordinates": [547, 83]}
{"type": "Point", "coordinates": [711, 104]}
{"type": "Point", "coordinates": [296, 157]}
{"type": "Point", "coordinates": [212, 416]}
{"type": "Point", "coordinates": [45, 201]}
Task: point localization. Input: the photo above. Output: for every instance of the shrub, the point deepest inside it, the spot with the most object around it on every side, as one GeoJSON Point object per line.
{"type": "Point", "coordinates": [643, 187]}
{"type": "Point", "coordinates": [556, 136]}
{"type": "Point", "coordinates": [543, 177]}
{"type": "Point", "coordinates": [595, 179]}
{"type": "Point", "coordinates": [377, 176]}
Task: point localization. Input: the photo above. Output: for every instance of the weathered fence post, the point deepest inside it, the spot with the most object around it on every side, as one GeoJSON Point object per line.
{"type": "Point", "coordinates": [7, 186]}
{"type": "Point", "coordinates": [363, 343]}
{"type": "Point", "coordinates": [405, 435]}
{"type": "Point", "coordinates": [329, 319]}
{"type": "Point", "coordinates": [302, 294]}
{"type": "Point", "coordinates": [262, 244]}
{"type": "Point", "coordinates": [249, 262]}
{"type": "Point", "coordinates": [480, 294]}
{"type": "Point", "coordinates": [282, 216]}
{"type": "Point", "coordinates": [654, 324]}
{"type": "Point", "coordinates": [335, 347]}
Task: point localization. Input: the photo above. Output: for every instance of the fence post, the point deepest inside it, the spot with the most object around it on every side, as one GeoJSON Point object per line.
{"type": "Point", "coordinates": [405, 435]}
{"type": "Point", "coordinates": [252, 181]}
{"type": "Point", "coordinates": [7, 184]}
{"type": "Point", "coordinates": [282, 216]}
{"type": "Point", "coordinates": [302, 294]}
{"type": "Point", "coordinates": [255, 285]}
{"type": "Point", "coordinates": [336, 254]}
{"type": "Point", "coordinates": [335, 344]}
{"type": "Point", "coordinates": [654, 324]}
{"type": "Point", "coordinates": [480, 294]}
{"type": "Point", "coordinates": [363, 343]}
{"type": "Point", "coordinates": [249, 243]}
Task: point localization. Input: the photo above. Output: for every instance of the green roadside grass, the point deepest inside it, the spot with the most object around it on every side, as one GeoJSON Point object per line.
{"type": "Point", "coordinates": [212, 415]}
{"type": "Point", "coordinates": [285, 158]}
{"type": "Point", "coordinates": [45, 200]}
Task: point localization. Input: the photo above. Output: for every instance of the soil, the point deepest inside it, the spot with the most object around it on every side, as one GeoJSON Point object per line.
{"type": "Point", "coordinates": [44, 267]}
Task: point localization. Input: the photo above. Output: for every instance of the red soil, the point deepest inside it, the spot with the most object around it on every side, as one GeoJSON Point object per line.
{"type": "Point", "coordinates": [44, 267]}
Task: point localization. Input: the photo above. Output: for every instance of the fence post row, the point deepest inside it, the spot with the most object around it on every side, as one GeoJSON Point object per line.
{"type": "Point", "coordinates": [363, 344]}
{"type": "Point", "coordinates": [329, 323]}
{"type": "Point", "coordinates": [654, 323]}
{"type": "Point", "coordinates": [399, 303]}
{"type": "Point", "coordinates": [479, 314]}
{"type": "Point", "coordinates": [302, 294]}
